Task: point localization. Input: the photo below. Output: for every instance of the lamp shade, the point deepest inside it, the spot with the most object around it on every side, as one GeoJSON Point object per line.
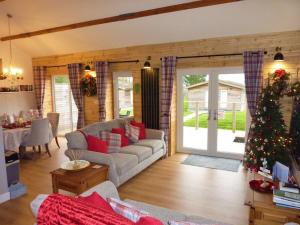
{"type": "Point", "coordinates": [147, 65]}
{"type": "Point", "coordinates": [278, 57]}
{"type": "Point", "coordinates": [87, 68]}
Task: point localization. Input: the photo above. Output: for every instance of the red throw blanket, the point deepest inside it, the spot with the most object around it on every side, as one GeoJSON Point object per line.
{"type": "Point", "coordinates": [63, 210]}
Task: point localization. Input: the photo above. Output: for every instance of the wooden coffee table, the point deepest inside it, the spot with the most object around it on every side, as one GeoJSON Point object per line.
{"type": "Point", "coordinates": [78, 181]}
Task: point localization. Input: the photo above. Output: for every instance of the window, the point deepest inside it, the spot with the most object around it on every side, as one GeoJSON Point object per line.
{"type": "Point", "coordinates": [64, 104]}
{"type": "Point", "coordinates": [123, 95]}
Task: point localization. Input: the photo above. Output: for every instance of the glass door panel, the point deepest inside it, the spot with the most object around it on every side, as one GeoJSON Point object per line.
{"type": "Point", "coordinates": [195, 89]}
{"type": "Point", "coordinates": [231, 113]}
{"type": "Point", "coordinates": [64, 104]}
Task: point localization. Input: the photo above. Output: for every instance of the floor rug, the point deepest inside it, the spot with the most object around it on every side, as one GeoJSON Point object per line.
{"type": "Point", "coordinates": [213, 162]}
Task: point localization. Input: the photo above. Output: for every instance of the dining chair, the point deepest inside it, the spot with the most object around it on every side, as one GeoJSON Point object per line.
{"type": "Point", "coordinates": [54, 120]}
{"type": "Point", "coordinates": [39, 135]}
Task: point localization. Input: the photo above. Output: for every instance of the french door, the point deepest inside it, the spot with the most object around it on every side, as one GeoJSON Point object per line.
{"type": "Point", "coordinates": [212, 112]}
{"type": "Point", "coordinates": [64, 104]}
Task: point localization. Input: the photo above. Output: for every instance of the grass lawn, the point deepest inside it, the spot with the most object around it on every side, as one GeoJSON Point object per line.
{"type": "Point", "coordinates": [123, 111]}
{"type": "Point", "coordinates": [225, 123]}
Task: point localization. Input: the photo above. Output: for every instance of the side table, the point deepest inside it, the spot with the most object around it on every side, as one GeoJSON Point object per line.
{"type": "Point", "coordinates": [79, 181]}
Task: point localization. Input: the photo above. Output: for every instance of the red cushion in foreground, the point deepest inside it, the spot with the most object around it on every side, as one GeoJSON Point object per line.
{"type": "Point", "coordinates": [95, 144]}
{"type": "Point", "coordinates": [96, 200]}
{"type": "Point", "coordinates": [148, 220]}
{"type": "Point", "coordinates": [124, 139]}
{"type": "Point", "coordinates": [142, 129]}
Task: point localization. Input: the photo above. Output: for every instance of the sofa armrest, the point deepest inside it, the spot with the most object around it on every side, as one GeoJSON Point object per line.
{"type": "Point", "coordinates": [154, 134]}
{"type": "Point", "coordinates": [100, 158]}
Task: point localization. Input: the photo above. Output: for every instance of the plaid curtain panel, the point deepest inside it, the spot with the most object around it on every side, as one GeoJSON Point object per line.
{"type": "Point", "coordinates": [253, 62]}
{"type": "Point", "coordinates": [102, 74]}
{"type": "Point", "coordinates": [75, 74]}
{"type": "Point", "coordinates": [113, 140]}
{"type": "Point", "coordinates": [168, 66]}
{"type": "Point", "coordinates": [39, 76]}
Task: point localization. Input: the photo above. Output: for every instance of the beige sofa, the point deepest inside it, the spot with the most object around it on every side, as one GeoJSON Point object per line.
{"type": "Point", "coordinates": [126, 163]}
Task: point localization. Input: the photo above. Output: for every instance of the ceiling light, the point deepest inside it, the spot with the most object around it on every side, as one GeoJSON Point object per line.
{"type": "Point", "coordinates": [11, 72]}
{"type": "Point", "coordinates": [147, 64]}
{"type": "Point", "coordinates": [278, 56]}
{"type": "Point", "coordinates": [87, 68]}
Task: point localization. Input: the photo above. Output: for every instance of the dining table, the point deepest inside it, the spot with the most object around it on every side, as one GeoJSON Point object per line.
{"type": "Point", "coordinates": [13, 137]}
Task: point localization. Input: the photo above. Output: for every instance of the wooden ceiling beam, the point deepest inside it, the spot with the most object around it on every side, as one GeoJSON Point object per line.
{"type": "Point", "coordinates": [127, 16]}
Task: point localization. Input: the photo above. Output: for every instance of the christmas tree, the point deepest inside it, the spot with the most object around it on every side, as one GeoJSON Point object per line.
{"type": "Point", "coordinates": [268, 138]}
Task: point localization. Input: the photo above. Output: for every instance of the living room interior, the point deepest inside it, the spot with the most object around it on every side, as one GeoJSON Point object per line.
{"type": "Point", "coordinates": [167, 112]}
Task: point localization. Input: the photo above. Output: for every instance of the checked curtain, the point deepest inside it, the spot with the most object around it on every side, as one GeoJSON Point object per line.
{"type": "Point", "coordinates": [168, 65]}
{"type": "Point", "coordinates": [253, 62]}
{"type": "Point", "coordinates": [39, 76]}
{"type": "Point", "coordinates": [75, 74]}
{"type": "Point", "coordinates": [102, 75]}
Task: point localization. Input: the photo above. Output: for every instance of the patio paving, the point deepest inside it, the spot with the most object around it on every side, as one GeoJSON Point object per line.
{"type": "Point", "coordinates": [197, 139]}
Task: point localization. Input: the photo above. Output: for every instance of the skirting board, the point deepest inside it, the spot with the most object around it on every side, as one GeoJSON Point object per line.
{"type": "Point", "coordinates": [4, 197]}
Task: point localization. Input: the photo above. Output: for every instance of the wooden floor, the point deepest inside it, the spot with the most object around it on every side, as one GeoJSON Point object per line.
{"type": "Point", "coordinates": [214, 194]}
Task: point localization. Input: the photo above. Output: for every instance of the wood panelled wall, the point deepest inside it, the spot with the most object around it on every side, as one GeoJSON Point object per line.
{"type": "Point", "coordinates": [289, 41]}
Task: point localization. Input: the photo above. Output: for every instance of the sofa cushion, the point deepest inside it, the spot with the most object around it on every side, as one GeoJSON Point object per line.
{"type": "Point", "coordinates": [161, 213]}
{"type": "Point", "coordinates": [132, 132]}
{"type": "Point", "coordinates": [155, 144]}
{"type": "Point", "coordinates": [113, 141]}
{"type": "Point", "coordinates": [142, 152]}
{"type": "Point", "coordinates": [124, 162]}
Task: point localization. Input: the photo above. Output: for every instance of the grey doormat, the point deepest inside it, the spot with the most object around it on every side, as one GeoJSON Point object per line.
{"type": "Point", "coordinates": [213, 162]}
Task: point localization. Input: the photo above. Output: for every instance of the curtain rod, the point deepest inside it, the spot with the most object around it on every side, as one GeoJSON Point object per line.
{"type": "Point", "coordinates": [216, 55]}
{"type": "Point", "coordinates": [112, 62]}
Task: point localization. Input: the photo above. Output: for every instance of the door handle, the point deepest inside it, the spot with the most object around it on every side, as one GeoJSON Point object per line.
{"type": "Point", "coordinates": [215, 114]}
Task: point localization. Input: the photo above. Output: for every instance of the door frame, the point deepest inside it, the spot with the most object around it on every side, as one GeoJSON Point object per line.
{"type": "Point", "coordinates": [213, 73]}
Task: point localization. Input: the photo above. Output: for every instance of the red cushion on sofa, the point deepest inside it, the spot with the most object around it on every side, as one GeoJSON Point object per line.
{"type": "Point", "coordinates": [97, 201]}
{"type": "Point", "coordinates": [142, 129]}
{"type": "Point", "coordinates": [95, 144]}
{"type": "Point", "coordinates": [124, 139]}
{"type": "Point", "coordinates": [148, 220]}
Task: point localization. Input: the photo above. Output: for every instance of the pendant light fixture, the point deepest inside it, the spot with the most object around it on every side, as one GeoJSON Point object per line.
{"type": "Point", "coordinates": [147, 64]}
{"type": "Point", "coordinates": [278, 56]}
{"type": "Point", "coordinates": [11, 72]}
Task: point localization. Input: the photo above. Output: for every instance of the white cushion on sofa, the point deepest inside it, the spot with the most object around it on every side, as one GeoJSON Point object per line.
{"type": "Point", "coordinates": [142, 152]}
{"type": "Point", "coordinates": [124, 162]}
{"type": "Point", "coordinates": [155, 144]}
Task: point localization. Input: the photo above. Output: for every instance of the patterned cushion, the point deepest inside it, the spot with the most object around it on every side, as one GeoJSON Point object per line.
{"type": "Point", "coordinates": [132, 132]}
{"type": "Point", "coordinates": [113, 141]}
{"type": "Point", "coordinates": [126, 210]}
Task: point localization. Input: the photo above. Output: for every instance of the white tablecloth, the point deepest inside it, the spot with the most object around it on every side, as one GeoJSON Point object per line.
{"type": "Point", "coordinates": [13, 137]}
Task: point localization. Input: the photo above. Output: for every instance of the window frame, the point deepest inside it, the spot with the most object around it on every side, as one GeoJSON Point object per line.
{"type": "Point", "coordinates": [116, 75]}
